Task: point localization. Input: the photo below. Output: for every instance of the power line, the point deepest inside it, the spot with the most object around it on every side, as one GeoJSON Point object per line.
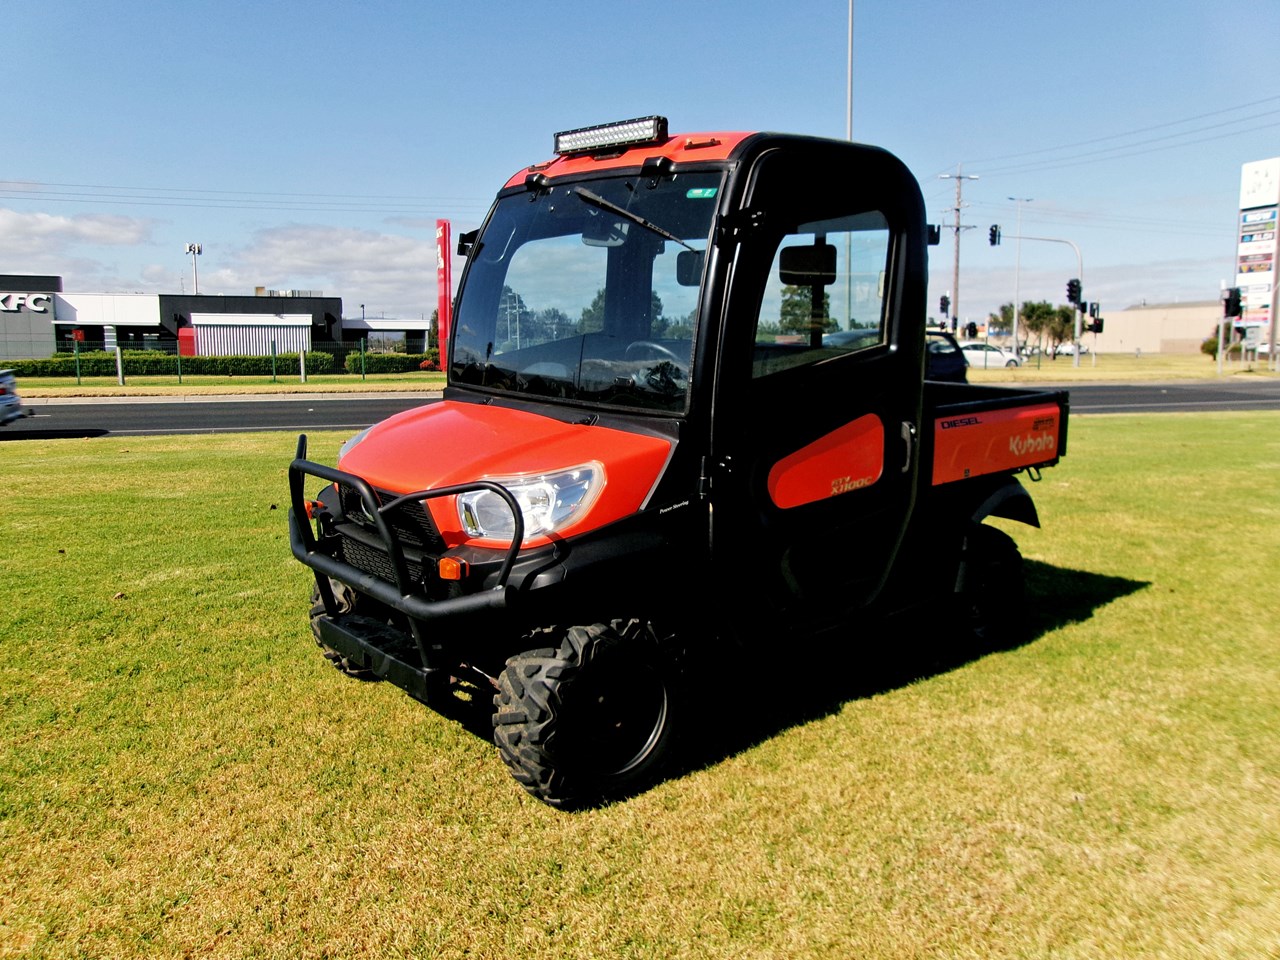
{"type": "Point", "coordinates": [1098, 156]}
{"type": "Point", "coordinates": [238, 193]}
{"type": "Point", "coordinates": [232, 199]}
{"type": "Point", "coordinates": [1139, 130]}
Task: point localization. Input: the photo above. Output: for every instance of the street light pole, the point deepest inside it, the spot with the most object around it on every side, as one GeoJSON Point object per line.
{"type": "Point", "coordinates": [848, 135]}
{"type": "Point", "coordinates": [1080, 276]}
{"type": "Point", "coordinates": [848, 102]}
{"type": "Point", "coordinates": [1017, 270]}
{"type": "Point", "coordinates": [195, 251]}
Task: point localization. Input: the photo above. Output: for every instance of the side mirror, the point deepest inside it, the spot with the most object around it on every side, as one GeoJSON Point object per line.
{"type": "Point", "coordinates": [689, 265]}
{"type": "Point", "coordinates": [813, 266]}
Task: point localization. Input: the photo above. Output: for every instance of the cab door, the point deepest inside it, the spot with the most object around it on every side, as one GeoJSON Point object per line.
{"type": "Point", "coordinates": [817, 396]}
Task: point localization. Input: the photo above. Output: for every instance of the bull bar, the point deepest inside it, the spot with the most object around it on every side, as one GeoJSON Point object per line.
{"type": "Point", "coordinates": [344, 632]}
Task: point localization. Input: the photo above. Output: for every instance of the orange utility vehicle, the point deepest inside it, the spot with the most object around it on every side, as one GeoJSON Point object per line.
{"type": "Point", "coordinates": [686, 412]}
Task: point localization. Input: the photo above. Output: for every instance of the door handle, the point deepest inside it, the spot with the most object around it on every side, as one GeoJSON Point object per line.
{"type": "Point", "coordinates": [909, 442]}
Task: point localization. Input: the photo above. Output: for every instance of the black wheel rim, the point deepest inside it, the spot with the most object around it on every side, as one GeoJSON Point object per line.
{"type": "Point", "coordinates": [613, 715]}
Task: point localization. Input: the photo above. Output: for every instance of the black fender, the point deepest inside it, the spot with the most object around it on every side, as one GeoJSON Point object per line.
{"type": "Point", "coordinates": [1005, 497]}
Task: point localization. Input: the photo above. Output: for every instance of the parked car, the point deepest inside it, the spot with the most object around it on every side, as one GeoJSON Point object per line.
{"type": "Point", "coordinates": [1068, 349]}
{"type": "Point", "coordinates": [944, 360]}
{"type": "Point", "coordinates": [986, 355]}
{"type": "Point", "coordinates": [10, 403]}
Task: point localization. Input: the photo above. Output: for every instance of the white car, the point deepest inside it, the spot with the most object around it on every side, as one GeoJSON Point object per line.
{"type": "Point", "coordinates": [1067, 349]}
{"type": "Point", "coordinates": [986, 355]}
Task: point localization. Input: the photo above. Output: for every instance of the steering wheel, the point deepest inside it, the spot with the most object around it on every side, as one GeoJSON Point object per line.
{"type": "Point", "coordinates": [652, 347]}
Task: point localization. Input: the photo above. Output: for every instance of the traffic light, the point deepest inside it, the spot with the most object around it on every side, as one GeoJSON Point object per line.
{"type": "Point", "coordinates": [1073, 291]}
{"type": "Point", "coordinates": [993, 235]}
{"type": "Point", "coordinates": [971, 330]}
{"type": "Point", "coordinates": [944, 304]}
{"type": "Point", "coordinates": [1231, 302]}
{"type": "Point", "coordinates": [1095, 325]}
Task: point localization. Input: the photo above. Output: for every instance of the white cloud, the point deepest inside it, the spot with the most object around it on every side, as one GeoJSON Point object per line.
{"type": "Point", "coordinates": [21, 233]}
{"type": "Point", "coordinates": [392, 275]}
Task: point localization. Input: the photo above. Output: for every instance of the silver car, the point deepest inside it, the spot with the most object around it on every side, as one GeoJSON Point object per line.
{"type": "Point", "coordinates": [10, 403]}
{"type": "Point", "coordinates": [985, 355]}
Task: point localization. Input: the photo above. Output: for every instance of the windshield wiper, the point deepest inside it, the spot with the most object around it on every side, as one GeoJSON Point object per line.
{"type": "Point", "coordinates": [598, 201]}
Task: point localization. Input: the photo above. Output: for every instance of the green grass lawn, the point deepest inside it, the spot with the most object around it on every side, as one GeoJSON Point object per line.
{"type": "Point", "coordinates": [181, 773]}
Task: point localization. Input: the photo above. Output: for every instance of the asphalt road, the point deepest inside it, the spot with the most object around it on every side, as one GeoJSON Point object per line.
{"type": "Point", "coordinates": [136, 416]}
{"type": "Point", "coordinates": [139, 416]}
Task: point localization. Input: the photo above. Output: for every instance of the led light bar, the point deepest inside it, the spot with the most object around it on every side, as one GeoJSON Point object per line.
{"type": "Point", "coordinates": [625, 133]}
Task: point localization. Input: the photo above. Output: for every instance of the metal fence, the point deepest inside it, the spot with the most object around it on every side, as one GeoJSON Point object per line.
{"type": "Point", "coordinates": [89, 359]}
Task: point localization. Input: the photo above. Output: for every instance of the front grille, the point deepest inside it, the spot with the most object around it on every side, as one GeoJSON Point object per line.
{"type": "Point", "coordinates": [410, 522]}
{"type": "Point", "coordinates": [374, 561]}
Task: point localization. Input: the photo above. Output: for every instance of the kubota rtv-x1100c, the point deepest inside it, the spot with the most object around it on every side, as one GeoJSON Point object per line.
{"type": "Point", "coordinates": [686, 409]}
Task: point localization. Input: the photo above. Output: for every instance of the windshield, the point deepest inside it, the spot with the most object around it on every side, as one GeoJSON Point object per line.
{"type": "Point", "coordinates": [588, 292]}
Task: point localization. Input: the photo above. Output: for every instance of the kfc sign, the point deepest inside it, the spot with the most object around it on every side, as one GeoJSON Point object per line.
{"type": "Point", "coordinates": [14, 302]}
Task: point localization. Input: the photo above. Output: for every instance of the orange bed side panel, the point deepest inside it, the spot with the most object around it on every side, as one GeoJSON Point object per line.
{"type": "Point", "coordinates": [973, 444]}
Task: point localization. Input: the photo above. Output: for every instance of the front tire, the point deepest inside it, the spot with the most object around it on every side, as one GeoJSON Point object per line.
{"type": "Point", "coordinates": [348, 601]}
{"type": "Point", "coordinates": [591, 719]}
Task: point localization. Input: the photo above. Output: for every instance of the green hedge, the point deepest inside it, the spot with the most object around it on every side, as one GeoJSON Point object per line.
{"type": "Point", "coordinates": [100, 363]}
{"type": "Point", "coordinates": [392, 362]}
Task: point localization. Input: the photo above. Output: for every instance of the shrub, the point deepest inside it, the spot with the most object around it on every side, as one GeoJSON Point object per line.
{"type": "Point", "coordinates": [393, 362]}
{"type": "Point", "coordinates": [137, 363]}
{"type": "Point", "coordinates": [1210, 346]}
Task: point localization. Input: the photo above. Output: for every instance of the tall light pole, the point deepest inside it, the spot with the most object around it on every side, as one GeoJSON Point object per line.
{"type": "Point", "coordinates": [848, 100]}
{"type": "Point", "coordinates": [195, 251]}
{"type": "Point", "coordinates": [959, 178]}
{"type": "Point", "coordinates": [848, 135]}
{"type": "Point", "coordinates": [1079, 316]}
{"type": "Point", "coordinates": [1017, 270]}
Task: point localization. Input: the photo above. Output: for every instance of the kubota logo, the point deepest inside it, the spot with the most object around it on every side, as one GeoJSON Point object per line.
{"type": "Point", "coordinates": [1031, 444]}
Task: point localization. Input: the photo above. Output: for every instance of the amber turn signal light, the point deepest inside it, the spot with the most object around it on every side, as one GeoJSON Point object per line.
{"type": "Point", "coordinates": [451, 568]}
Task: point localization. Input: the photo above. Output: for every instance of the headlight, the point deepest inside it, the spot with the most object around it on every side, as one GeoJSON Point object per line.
{"type": "Point", "coordinates": [349, 445]}
{"type": "Point", "coordinates": [548, 503]}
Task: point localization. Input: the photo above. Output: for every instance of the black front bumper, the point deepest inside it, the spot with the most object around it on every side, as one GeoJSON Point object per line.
{"type": "Point", "coordinates": [417, 660]}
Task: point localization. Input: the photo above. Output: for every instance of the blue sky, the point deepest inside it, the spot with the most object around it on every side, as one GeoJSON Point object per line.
{"type": "Point", "coordinates": [313, 145]}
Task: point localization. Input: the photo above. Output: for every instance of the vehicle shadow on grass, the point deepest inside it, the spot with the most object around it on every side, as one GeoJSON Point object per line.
{"type": "Point", "coordinates": [762, 689]}
{"type": "Point", "coordinates": [902, 650]}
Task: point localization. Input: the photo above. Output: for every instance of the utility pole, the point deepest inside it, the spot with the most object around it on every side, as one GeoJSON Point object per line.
{"type": "Point", "coordinates": [959, 178]}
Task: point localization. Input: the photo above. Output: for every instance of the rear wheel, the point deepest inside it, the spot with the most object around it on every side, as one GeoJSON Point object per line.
{"type": "Point", "coordinates": [991, 589]}
{"type": "Point", "coordinates": [591, 718]}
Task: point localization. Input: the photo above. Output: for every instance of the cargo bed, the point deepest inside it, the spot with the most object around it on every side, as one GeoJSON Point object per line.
{"type": "Point", "coordinates": [975, 429]}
